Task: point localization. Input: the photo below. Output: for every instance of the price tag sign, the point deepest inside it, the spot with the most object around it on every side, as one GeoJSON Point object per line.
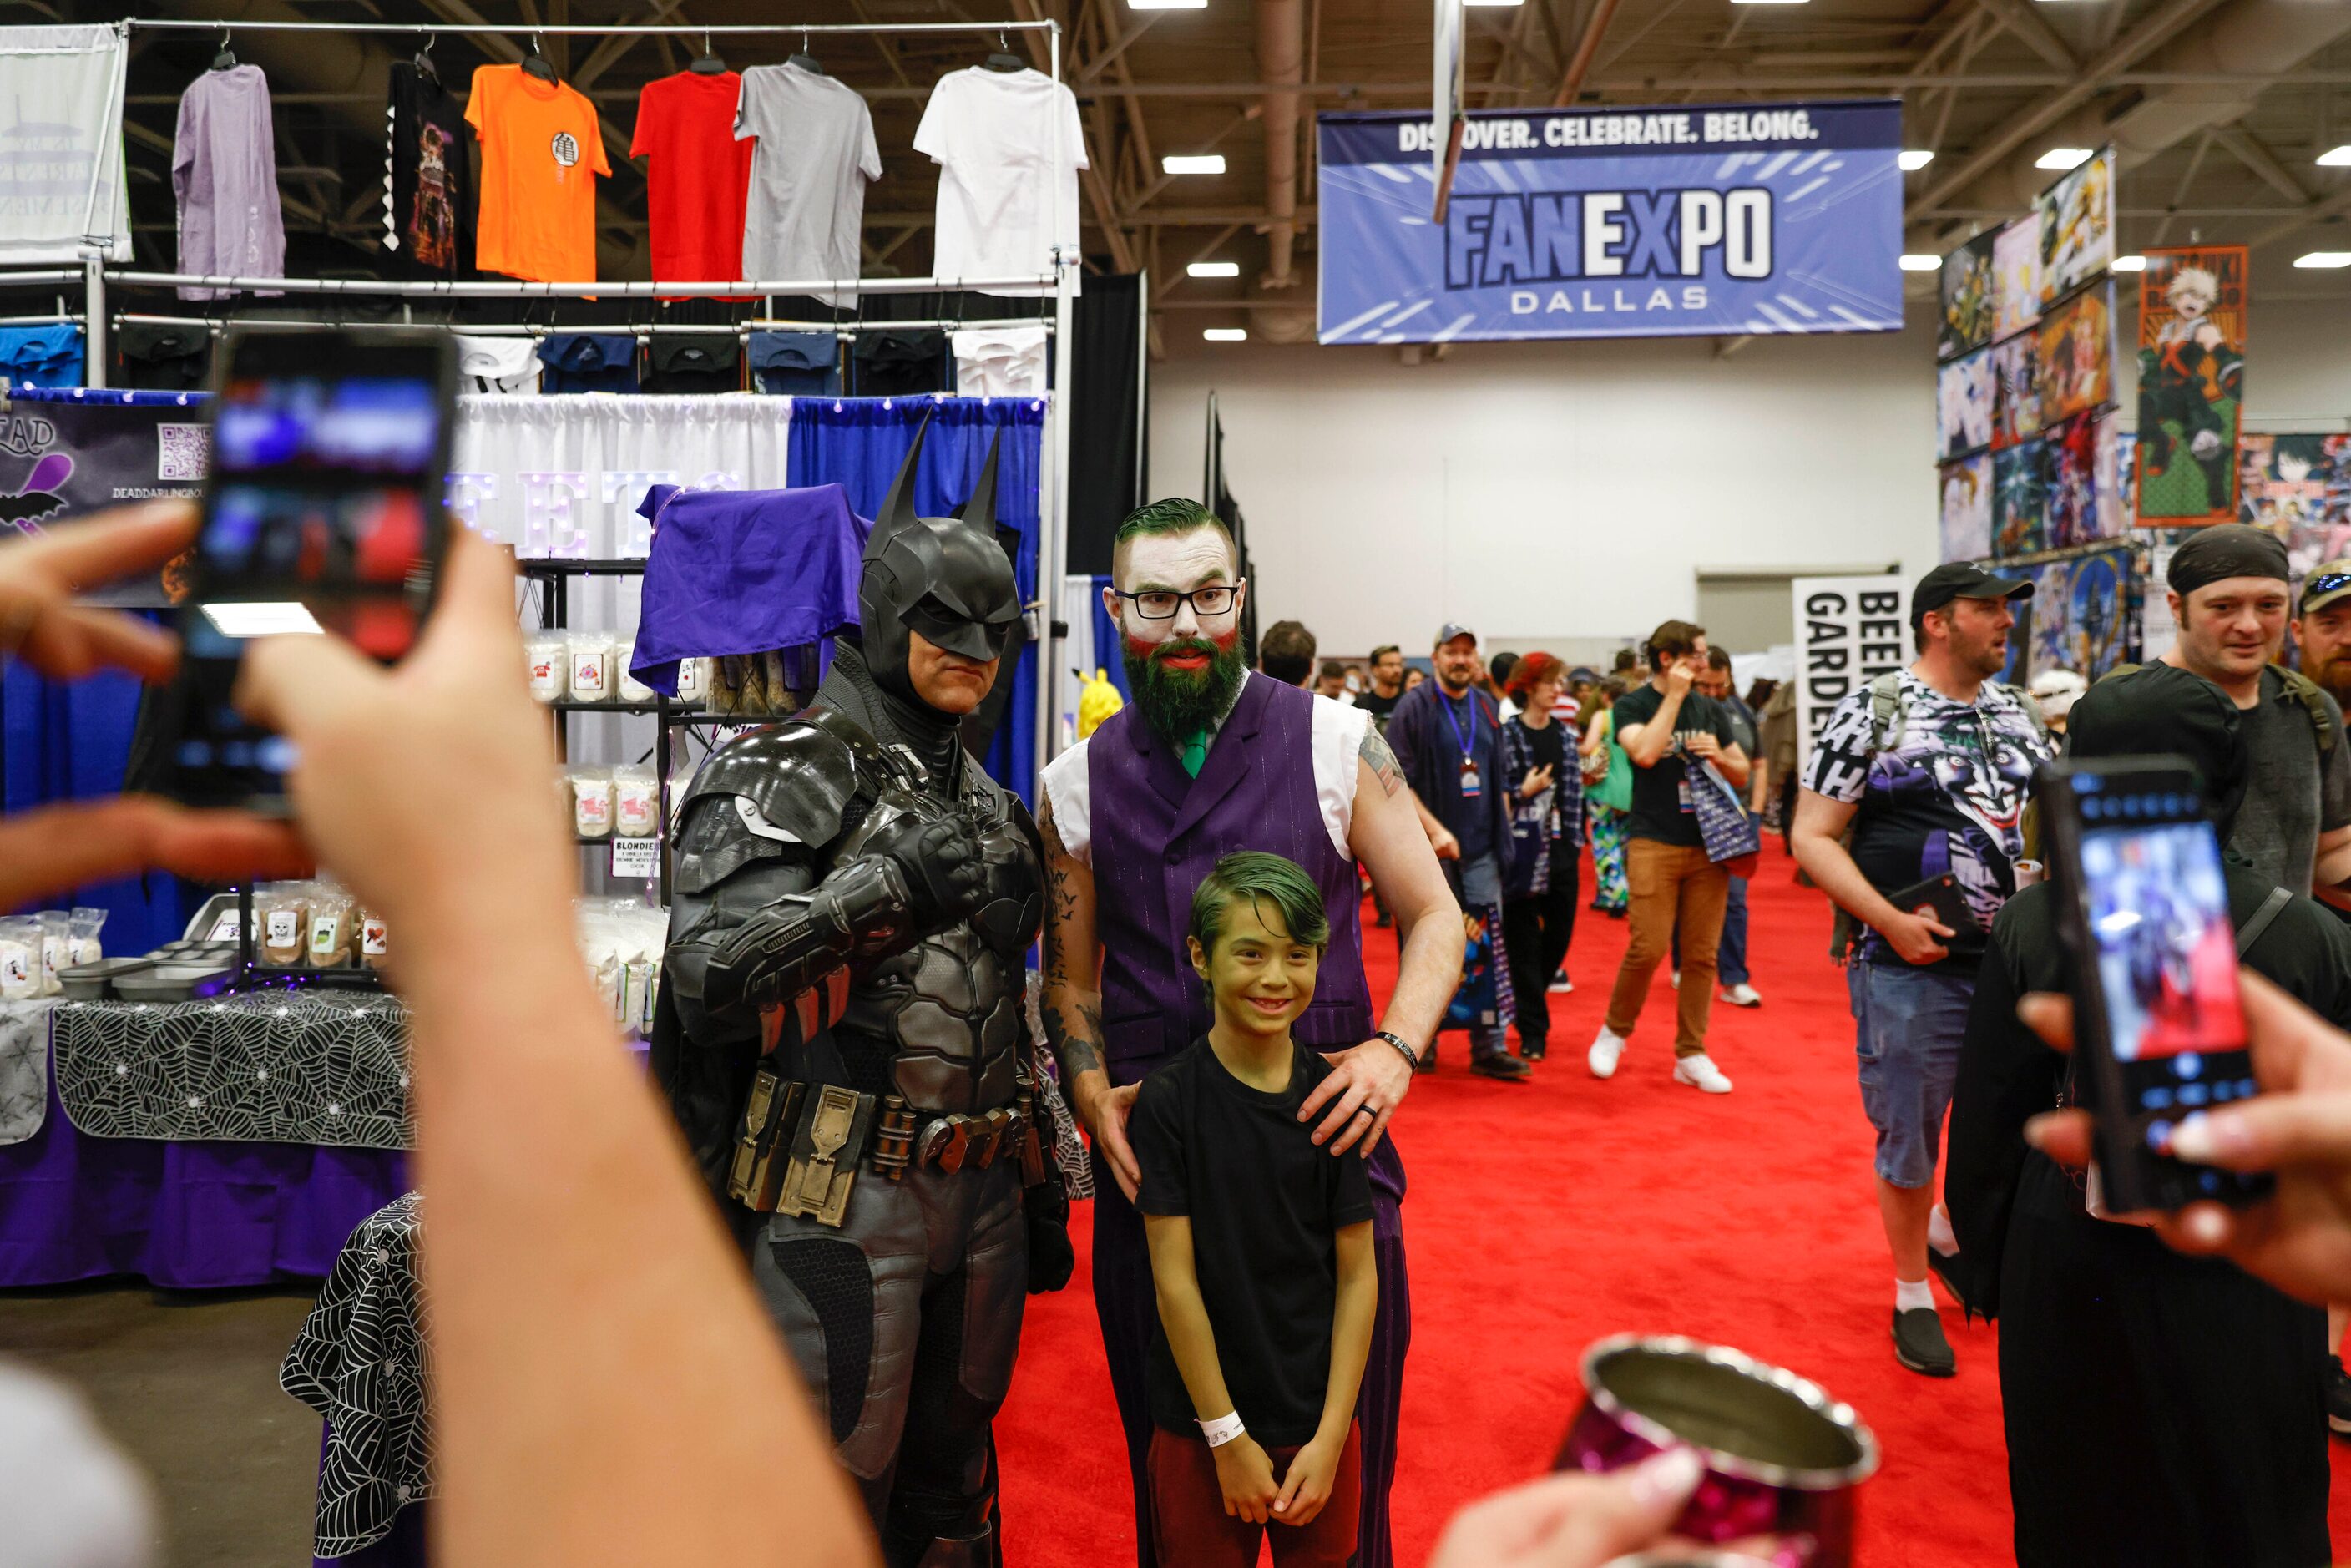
{"type": "Point", "coordinates": [225, 928]}
{"type": "Point", "coordinates": [636, 857]}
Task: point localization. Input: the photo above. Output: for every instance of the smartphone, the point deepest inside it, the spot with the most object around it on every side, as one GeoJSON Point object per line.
{"type": "Point", "coordinates": [322, 514]}
{"type": "Point", "coordinates": [2158, 1026]}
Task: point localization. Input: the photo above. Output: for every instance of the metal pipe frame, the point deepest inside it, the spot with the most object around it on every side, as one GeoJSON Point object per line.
{"type": "Point", "coordinates": [517, 330]}
{"type": "Point", "coordinates": [525, 29]}
{"type": "Point", "coordinates": [520, 289]}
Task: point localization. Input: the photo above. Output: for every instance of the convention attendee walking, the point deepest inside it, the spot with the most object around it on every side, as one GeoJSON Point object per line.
{"type": "Point", "coordinates": [1497, 682]}
{"type": "Point", "coordinates": [2322, 627]}
{"type": "Point", "coordinates": [1386, 689]}
{"type": "Point", "coordinates": [2229, 600]}
{"type": "Point", "coordinates": [1538, 896]}
{"type": "Point", "coordinates": [1669, 731]}
{"type": "Point", "coordinates": [1447, 738]}
{"type": "Point", "coordinates": [1929, 769]}
{"type": "Point", "coordinates": [2161, 1411]}
{"type": "Point", "coordinates": [1608, 796]}
{"type": "Point", "coordinates": [2057, 691]}
{"type": "Point", "coordinates": [1731, 956]}
{"type": "Point", "coordinates": [1330, 681]}
{"type": "Point", "coordinates": [1207, 760]}
{"type": "Point", "coordinates": [1777, 799]}
{"type": "Point", "coordinates": [1285, 652]}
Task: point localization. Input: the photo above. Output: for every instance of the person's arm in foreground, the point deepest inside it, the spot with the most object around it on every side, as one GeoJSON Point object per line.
{"type": "Point", "coordinates": [1244, 1470]}
{"type": "Point", "coordinates": [1071, 1004]}
{"type": "Point", "coordinates": [2299, 1126]}
{"type": "Point", "coordinates": [1388, 842]}
{"type": "Point", "coordinates": [1573, 1520]}
{"type": "Point", "coordinates": [606, 1389]}
{"type": "Point", "coordinates": [1307, 1487]}
{"type": "Point", "coordinates": [1818, 841]}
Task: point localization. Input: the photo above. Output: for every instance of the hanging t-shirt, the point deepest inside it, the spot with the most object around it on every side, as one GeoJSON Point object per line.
{"type": "Point", "coordinates": [695, 174]}
{"type": "Point", "coordinates": [541, 150]}
{"type": "Point", "coordinates": [1000, 362]}
{"type": "Point", "coordinates": [225, 178]}
{"type": "Point", "coordinates": [816, 153]}
{"type": "Point", "coordinates": [428, 208]}
{"type": "Point", "coordinates": [992, 135]}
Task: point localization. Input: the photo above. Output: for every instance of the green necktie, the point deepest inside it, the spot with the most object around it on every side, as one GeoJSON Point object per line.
{"type": "Point", "coordinates": [1195, 755]}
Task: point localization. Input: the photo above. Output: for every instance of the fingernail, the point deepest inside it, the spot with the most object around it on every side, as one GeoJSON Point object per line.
{"type": "Point", "coordinates": [2205, 1225]}
{"type": "Point", "coordinates": [1669, 1476]}
{"type": "Point", "coordinates": [2207, 1136]}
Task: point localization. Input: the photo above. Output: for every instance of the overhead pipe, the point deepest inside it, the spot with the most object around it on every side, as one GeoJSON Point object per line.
{"type": "Point", "coordinates": [1280, 58]}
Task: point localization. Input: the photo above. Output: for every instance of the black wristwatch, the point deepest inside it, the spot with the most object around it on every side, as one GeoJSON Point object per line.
{"type": "Point", "coordinates": [1409, 1054]}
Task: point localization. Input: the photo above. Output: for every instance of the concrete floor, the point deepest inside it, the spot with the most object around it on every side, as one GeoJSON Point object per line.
{"type": "Point", "coordinates": [187, 1383]}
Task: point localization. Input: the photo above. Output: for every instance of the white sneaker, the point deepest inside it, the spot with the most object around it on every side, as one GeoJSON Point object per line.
{"type": "Point", "coordinates": [1605, 1052]}
{"type": "Point", "coordinates": [1742, 994]}
{"type": "Point", "coordinates": [1678, 979]}
{"type": "Point", "coordinates": [1700, 1073]}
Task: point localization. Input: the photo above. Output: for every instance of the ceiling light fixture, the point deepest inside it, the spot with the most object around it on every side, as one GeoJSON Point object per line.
{"type": "Point", "coordinates": [1225, 334]}
{"type": "Point", "coordinates": [2337, 157]}
{"type": "Point", "coordinates": [2065, 157]}
{"type": "Point", "coordinates": [1166, 5]}
{"type": "Point", "coordinates": [1916, 158]}
{"type": "Point", "coordinates": [2130, 264]}
{"type": "Point", "coordinates": [1767, 2]}
{"type": "Point", "coordinates": [1194, 163]}
{"type": "Point", "coordinates": [1213, 269]}
{"type": "Point", "coordinates": [1914, 262]}
{"type": "Point", "coordinates": [2328, 260]}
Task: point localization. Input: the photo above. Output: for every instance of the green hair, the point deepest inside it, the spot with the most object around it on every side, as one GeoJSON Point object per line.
{"type": "Point", "coordinates": [1253, 874]}
{"type": "Point", "coordinates": [1175, 515]}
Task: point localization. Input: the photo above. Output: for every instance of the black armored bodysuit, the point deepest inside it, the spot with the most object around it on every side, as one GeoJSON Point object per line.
{"type": "Point", "coordinates": [843, 1040]}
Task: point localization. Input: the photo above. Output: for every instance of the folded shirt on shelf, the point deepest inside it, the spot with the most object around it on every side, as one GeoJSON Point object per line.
{"type": "Point", "coordinates": [900, 365]}
{"type": "Point", "coordinates": [694, 362]}
{"type": "Point", "coordinates": [497, 364]}
{"type": "Point", "coordinates": [1000, 362]}
{"type": "Point", "coordinates": [158, 358]}
{"type": "Point", "coordinates": [796, 364]}
{"type": "Point", "coordinates": [48, 356]}
{"type": "Point", "coordinates": [588, 361]}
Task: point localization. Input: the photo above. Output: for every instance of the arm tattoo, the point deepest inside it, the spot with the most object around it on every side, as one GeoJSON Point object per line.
{"type": "Point", "coordinates": [1374, 752]}
{"type": "Point", "coordinates": [1075, 1033]}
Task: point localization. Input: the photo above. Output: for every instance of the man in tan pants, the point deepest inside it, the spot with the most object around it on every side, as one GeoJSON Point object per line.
{"type": "Point", "coordinates": [1665, 728]}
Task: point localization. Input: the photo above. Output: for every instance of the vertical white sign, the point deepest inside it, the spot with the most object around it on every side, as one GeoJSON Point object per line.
{"type": "Point", "coordinates": [1849, 632]}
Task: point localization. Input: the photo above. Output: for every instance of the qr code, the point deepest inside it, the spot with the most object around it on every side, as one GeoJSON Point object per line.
{"type": "Point", "coordinates": [182, 451]}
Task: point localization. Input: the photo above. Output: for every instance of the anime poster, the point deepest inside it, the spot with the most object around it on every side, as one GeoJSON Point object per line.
{"type": "Point", "coordinates": [1966, 299]}
{"type": "Point", "coordinates": [2019, 497]}
{"type": "Point", "coordinates": [2126, 472]}
{"type": "Point", "coordinates": [2113, 480]}
{"type": "Point", "coordinates": [1963, 405]}
{"type": "Point", "coordinates": [1967, 509]}
{"type": "Point", "coordinates": [2051, 645]}
{"type": "Point", "coordinates": [2076, 218]}
{"type": "Point", "coordinates": [2016, 277]}
{"type": "Point", "coordinates": [2077, 354]}
{"type": "Point", "coordinates": [2097, 612]}
{"type": "Point", "coordinates": [2298, 487]}
{"type": "Point", "coordinates": [2071, 454]}
{"type": "Point", "coordinates": [2015, 390]}
{"type": "Point", "coordinates": [2191, 357]}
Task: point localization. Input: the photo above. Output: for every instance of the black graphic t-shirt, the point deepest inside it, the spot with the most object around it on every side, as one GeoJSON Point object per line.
{"type": "Point", "coordinates": [1945, 794]}
{"type": "Point", "coordinates": [1661, 803]}
{"type": "Point", "coordinates": [428, 217]}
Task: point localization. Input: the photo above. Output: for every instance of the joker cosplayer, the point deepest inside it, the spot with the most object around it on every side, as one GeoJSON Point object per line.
{"type": "Point", "coordinates": [1210, 759]}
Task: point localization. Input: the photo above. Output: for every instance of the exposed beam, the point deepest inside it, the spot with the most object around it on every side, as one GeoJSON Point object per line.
{"type": "Point", "coordinates": [2249, 150]}
{"type": "Point", "coordinates": [2030, 29]}
{"type": "Point", "coordinates": [608, 54]}
{"type": "Point", "coordinates": [1587, 48]}
{"type": "Point", "coordinates": [1101, 63]}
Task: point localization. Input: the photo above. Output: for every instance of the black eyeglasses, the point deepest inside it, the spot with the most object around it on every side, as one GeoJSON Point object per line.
{"type": "Point", "coordinates": [1161, 604]}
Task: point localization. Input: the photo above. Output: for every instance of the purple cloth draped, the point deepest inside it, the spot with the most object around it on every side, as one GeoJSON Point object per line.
{"type": "Point", "coordinates": [743, 571]}
{"type": "Point", "coordinates": [191, 1216]}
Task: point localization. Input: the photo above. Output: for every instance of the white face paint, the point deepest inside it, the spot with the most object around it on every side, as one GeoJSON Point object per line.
{"type": "Point", "coordinates": [1178, 563]}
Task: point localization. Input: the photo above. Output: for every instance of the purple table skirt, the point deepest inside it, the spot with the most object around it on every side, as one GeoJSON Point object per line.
{"type": "Point", "coordinates": [188, 1216]}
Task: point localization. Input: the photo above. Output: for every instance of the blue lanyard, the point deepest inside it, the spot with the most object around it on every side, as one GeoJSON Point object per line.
{"type": "Point", "coordinates": [1468, 743]}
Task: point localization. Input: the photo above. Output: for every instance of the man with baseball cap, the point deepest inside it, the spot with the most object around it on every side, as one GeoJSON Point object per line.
{"type": "Point", "coordinates": [1929, 769]}
{"type": "Point", "coordinates": [1447, 738]}
{"type": "Point", "coordinates": [2322, 627]}
{"type": "Point", "coordinates": [2229, 599]}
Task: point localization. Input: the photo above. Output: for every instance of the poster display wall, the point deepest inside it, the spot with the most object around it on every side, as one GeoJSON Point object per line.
{"type": "Point", "coordinates": [2191, 363]}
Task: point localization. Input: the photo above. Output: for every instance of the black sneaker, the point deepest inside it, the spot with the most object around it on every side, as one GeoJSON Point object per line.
{"type": "Point", "coordinates": [1502, 1065]}
{"type": "Point", "coordinates": [1532, 1050]}
{"type": "Point", "coordinates": [2338, 1395]}
{"type": "Point", "coordinates": [1920, 1345]}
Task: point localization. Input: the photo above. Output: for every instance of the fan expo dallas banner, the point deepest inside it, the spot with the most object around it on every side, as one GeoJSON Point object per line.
{"type": "Point", "coordinates": [1613, 224]}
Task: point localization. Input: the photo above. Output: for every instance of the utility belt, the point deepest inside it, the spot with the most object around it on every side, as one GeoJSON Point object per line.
{"type": "Point", "coordinates": [801, 1144]}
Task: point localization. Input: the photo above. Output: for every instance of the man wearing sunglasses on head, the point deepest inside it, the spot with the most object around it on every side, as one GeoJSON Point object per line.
{"type": "Point", "coordinates": [1211, 758]}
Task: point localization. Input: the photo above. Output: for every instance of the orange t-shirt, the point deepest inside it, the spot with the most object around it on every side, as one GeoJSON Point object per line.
{"type": "Point", "coordinates": [541, 148]}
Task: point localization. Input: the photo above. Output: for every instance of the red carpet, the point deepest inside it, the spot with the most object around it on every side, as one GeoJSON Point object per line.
{"type": "Point", "coordinates": [1543, 1216]}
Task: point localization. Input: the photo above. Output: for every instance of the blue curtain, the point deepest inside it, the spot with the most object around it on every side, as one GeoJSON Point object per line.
{"type": "Point", "coordinates": [859, 445]}
{"type": "Point", "coordinates": [71, 743]}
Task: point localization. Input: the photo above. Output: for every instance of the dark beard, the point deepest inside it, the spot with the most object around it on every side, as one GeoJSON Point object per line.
{"type": "Point", "coordinates": [1178, 706]}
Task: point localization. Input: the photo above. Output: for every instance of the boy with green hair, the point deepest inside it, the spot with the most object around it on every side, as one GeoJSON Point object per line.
{"type": "Point", "coordinates": [1260, 1249]}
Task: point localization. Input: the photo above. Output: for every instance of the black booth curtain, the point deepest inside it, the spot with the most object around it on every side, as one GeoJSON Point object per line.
{"type": "Point", "coordinates": [1107, 474]}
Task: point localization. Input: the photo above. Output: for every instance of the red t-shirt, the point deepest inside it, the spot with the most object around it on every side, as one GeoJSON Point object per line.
{"type": "Point", "coordinates": [699, 175]}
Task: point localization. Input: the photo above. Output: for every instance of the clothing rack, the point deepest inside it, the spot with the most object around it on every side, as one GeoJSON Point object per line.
{"type": "Point", "coordinates": [741, 330]}
{"type": "Point", "coordinates": [96, 273]}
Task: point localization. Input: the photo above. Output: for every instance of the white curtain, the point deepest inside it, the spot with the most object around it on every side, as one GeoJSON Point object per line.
{"type": "Point", "coordinates": [61, 156]}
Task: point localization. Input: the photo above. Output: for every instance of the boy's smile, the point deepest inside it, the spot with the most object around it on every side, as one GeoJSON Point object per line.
{"type": "Point", "coordinates": [1259, 978]}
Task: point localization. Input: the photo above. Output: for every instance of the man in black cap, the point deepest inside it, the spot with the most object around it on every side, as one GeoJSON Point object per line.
{"type": "Point", "coordinates": [1929, 767]}
{"type": "Point", "coordinates": [2229, 600]}
{"type": "Point", "coordinates": [2322, 627]}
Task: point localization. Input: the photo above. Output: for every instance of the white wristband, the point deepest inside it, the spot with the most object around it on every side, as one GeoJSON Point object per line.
{"type": "Point", "coordinates": [1223, 1430]}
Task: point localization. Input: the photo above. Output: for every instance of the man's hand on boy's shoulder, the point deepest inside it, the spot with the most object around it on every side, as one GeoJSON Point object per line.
{"type": "Point", "coordinates": [1245, 1472]}
{"type": "Point", "coordinates": [1308, 1485]}
{"type": "Point", "coordinates": [1371, 1077]}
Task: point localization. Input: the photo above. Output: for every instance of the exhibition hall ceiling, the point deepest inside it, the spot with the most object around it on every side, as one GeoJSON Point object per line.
{"type": "Point", "coordinates": [2221, 109]}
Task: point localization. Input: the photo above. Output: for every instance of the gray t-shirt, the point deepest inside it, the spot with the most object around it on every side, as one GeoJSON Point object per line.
{"type": "Point", "coordinates": [2287, 803]}
{"type": "Point", "coordinates": [809, 174]}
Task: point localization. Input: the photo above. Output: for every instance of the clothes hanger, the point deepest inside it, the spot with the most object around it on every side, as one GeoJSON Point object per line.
{"type": "Point", "coordinates": [708, 64]}
{"type": "Point", "coordinates": [425, 68]}
{"type": "Point", "coordinates": [225, 60]}
{"type": "Point", "coordinates": [1004, 59]}
{"type": "Point", "coordinates": [536, 64]}
{"type": "Point", "coordinates": [805, 59]}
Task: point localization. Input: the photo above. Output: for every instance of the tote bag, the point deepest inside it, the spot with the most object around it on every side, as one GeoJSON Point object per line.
{"type": "Point", "coordinates": [1730, 836]}
{"type": "Point", "coordinates": [1615, 789]}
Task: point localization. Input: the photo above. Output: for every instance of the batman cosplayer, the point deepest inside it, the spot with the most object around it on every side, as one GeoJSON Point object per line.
{"type": "Point", "coordinates": [841, 1032]}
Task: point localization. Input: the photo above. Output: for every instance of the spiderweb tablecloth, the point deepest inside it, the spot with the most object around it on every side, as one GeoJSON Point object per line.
{"type": "Point", "coordinates": [24, 1069]}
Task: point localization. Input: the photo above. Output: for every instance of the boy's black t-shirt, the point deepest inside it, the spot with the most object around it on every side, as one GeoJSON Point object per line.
{"type": "Point", "coordinates": [1661, 807]}
{"type": "Point", "coordinates": [1266, 1204]}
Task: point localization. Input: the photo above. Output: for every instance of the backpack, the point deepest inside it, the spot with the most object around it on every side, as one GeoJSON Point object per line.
{"type": "Point", "coordinates": [2300, 687]}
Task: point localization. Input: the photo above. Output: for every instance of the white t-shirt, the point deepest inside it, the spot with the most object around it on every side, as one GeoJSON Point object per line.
{"type": "Point", "coordinates": [1000, 362]}
{"type": "Point", "coordinates": [497, 364]}
{"type": "Point", "coordinates": [991, 134]}
{"type": "Point", "coordinates": [1338, 734]}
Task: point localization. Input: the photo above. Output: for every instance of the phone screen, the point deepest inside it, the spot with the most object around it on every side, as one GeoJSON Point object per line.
{"type": "Point", "coordinates": [322, 514]}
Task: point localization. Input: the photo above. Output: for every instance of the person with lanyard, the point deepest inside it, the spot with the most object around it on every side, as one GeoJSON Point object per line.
{"type": "Point", "coordinates": [1447, 737]}
{"type": "Point", "coordinates": [1210, 759]}
{"type": "Point", "coordinates": [1546, 789]}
